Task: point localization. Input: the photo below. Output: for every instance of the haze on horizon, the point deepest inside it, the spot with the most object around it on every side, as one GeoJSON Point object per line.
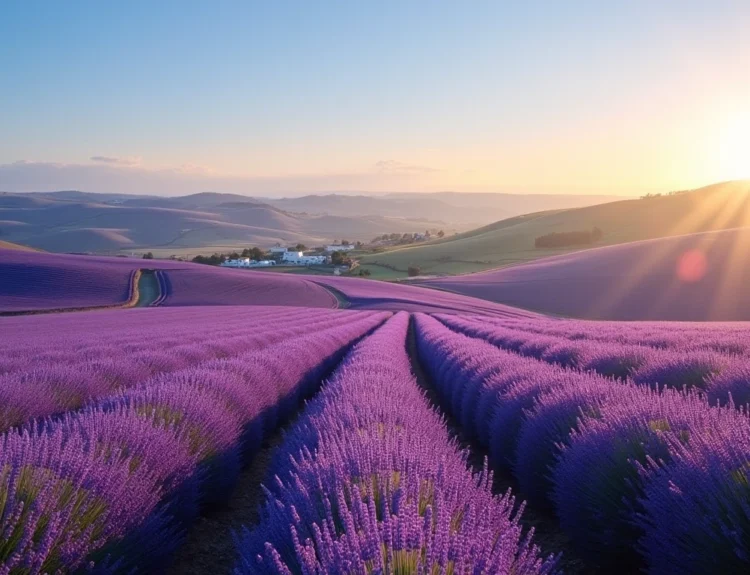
{"type": "Point", "coordinates": [292, 97]}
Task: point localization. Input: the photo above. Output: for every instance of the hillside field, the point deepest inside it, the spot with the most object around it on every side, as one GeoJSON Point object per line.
{"type": "Point", "coordinates": [511, 241]}
{"type": "Point", "coordinates": [695, 277]}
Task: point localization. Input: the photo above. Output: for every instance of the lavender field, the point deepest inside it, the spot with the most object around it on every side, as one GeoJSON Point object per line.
{"type": "Point", "coordinates": [691, 277]}
{"type": "Point", "coordinates": [34, 281]}
{"type": "Point", "coordinates": [416, 432]}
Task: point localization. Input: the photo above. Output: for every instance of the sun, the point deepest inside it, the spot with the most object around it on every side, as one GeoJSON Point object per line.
{"type": "Point", "coordinates": [733, 149]}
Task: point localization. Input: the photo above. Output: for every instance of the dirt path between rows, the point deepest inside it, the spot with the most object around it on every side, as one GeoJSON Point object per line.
{"type": "Point", "coordinates": [148, 288]}
{"type": "Point", "coordinates": [209, 547]}
{"type": "Point", "coordinates": [547, 534]}
{"type": "Point", "coordinates": [341, 299]}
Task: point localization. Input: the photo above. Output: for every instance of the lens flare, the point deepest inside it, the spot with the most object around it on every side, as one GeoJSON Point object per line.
{"type": "Point", "coordinates": [692, 266]}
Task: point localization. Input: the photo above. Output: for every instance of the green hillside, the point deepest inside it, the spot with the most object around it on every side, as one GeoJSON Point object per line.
{"type": "Point", "coordinates": [511, 241]}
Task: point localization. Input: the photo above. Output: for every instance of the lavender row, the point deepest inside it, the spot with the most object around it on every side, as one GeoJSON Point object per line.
{"type": "Point", "coordinates": [118, 335]}
{"type": "Point", "coordinates": [638, 477]}
{"type": "Point", "coordinates": [368, 481]}
{"type": "Point", "coordinates": [95, 490]}
{"type": "Point", "coordinates": [719, 375]}
{"type": "Point", "coordinates": [76, 379]}
{"type": "Point", "coordinates": [127, 326]}
{"type": "Point", "coordinates": [731, 338]}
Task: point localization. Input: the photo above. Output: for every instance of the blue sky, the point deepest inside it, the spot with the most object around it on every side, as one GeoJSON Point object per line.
{"type": "Point", "coordinates": [292, 97]}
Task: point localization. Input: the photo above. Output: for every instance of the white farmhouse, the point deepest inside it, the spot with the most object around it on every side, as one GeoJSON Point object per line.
{"type": "Point", "coordinates": [238, 263]}
{"type": "Point", "coordinates": [247, 263]}
{"type": "Point", "coordinates": [299, 258]}
{"type": "Point", "coordinates": [288, 256]}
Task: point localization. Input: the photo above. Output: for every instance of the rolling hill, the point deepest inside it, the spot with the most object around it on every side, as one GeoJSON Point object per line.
{"type": "Point", "coordinates": [12, 246]}
{"type": "Point", "coordinates": [199, 223]}
{"type": "Point", "coordinates": [460, 210]}
{"type": "Point", "coordinates": [46, 281]}
{"type": "Point", "coordinates": [694, 277]}
{"type": "Point", "coordinates": [511, 241]}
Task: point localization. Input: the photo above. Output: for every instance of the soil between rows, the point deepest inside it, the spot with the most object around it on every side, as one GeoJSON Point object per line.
{"type": "Point", "coordinates": [209, 547]}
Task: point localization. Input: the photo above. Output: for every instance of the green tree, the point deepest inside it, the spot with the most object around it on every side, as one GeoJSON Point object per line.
{"type": "Point", "coordinates": [212, 260]}
{"type": "Point", "coordinates": [340, 259]}
{"type": "Point", "coordinates": [414, 271]}
{"type": "Point", "coordinates": [148, 256]}
{"type": "Point", "coordinates": [441, 233]}
{"type": "Point", "coordinates": [300, 248]}
{"type": "Point", "coordinates": [256, 254]}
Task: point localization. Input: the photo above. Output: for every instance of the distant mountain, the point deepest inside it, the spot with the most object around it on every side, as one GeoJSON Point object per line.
{"type": "Point", "coordinates": [460, 210]}
{"type": "Point", "coordinates": [72, 221]}
{"type": "Point", "coordinates": [512, 241]}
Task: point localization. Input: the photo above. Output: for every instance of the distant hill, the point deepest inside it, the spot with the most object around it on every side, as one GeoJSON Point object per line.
{"type": "Point", "coordinates": [460, 210]}
{"type": "Point", "coordinates": [107, 223]}
{"type": "Point", "coordinates": [12, 246]}
{"type": "Point", "coordinates": [693, 277]}
{"type": "Point", "coordinates": [511, 241]}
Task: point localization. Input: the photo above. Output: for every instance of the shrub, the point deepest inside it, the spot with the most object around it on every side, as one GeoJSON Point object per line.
{"type": "Point", "coordinates": [734, 381]}
{"type": "Point", "coordinates": [565, 239]}
{"type": "Point", "coordinates": [598, 484]}
{"type": "Point", "coordinates": [680, 369]}
{"type": "Point", "coordinates": [696, 516]}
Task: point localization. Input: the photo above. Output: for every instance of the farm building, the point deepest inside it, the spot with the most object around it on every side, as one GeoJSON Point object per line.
{"type": "Point", "coordinates": [299, 258]}
{"type": "Point", "coordinates": [247, 263]}
{"type": "Point", "coordinates": [277, 250]}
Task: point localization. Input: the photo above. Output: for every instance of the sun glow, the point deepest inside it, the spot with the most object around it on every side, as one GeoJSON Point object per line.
{"type": "Point", "coordinates": [734, 149]}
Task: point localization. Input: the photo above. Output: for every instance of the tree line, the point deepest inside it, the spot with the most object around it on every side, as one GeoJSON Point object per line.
{"type": "Point", "coordinates": [565, 239]}
{"type": "Point", "coordinates": [408, 238]}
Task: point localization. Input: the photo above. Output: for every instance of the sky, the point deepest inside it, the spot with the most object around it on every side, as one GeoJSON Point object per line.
{"type": "Point", "coordinates": [286, 98]}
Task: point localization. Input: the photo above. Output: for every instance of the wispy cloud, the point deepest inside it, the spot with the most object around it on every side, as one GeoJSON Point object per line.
{"type": "Point", "coordinates": [120, 177]}
{"type": "Point", "coordinates": [115, 161]}
{"type": "Point", "coordinates": [396, 167]}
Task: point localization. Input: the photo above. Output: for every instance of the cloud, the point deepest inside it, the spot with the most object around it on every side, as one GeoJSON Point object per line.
{"type": "Point", "coordinates": [395, 167]}
{"type": "Point", "coordinates": [114, 161]}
